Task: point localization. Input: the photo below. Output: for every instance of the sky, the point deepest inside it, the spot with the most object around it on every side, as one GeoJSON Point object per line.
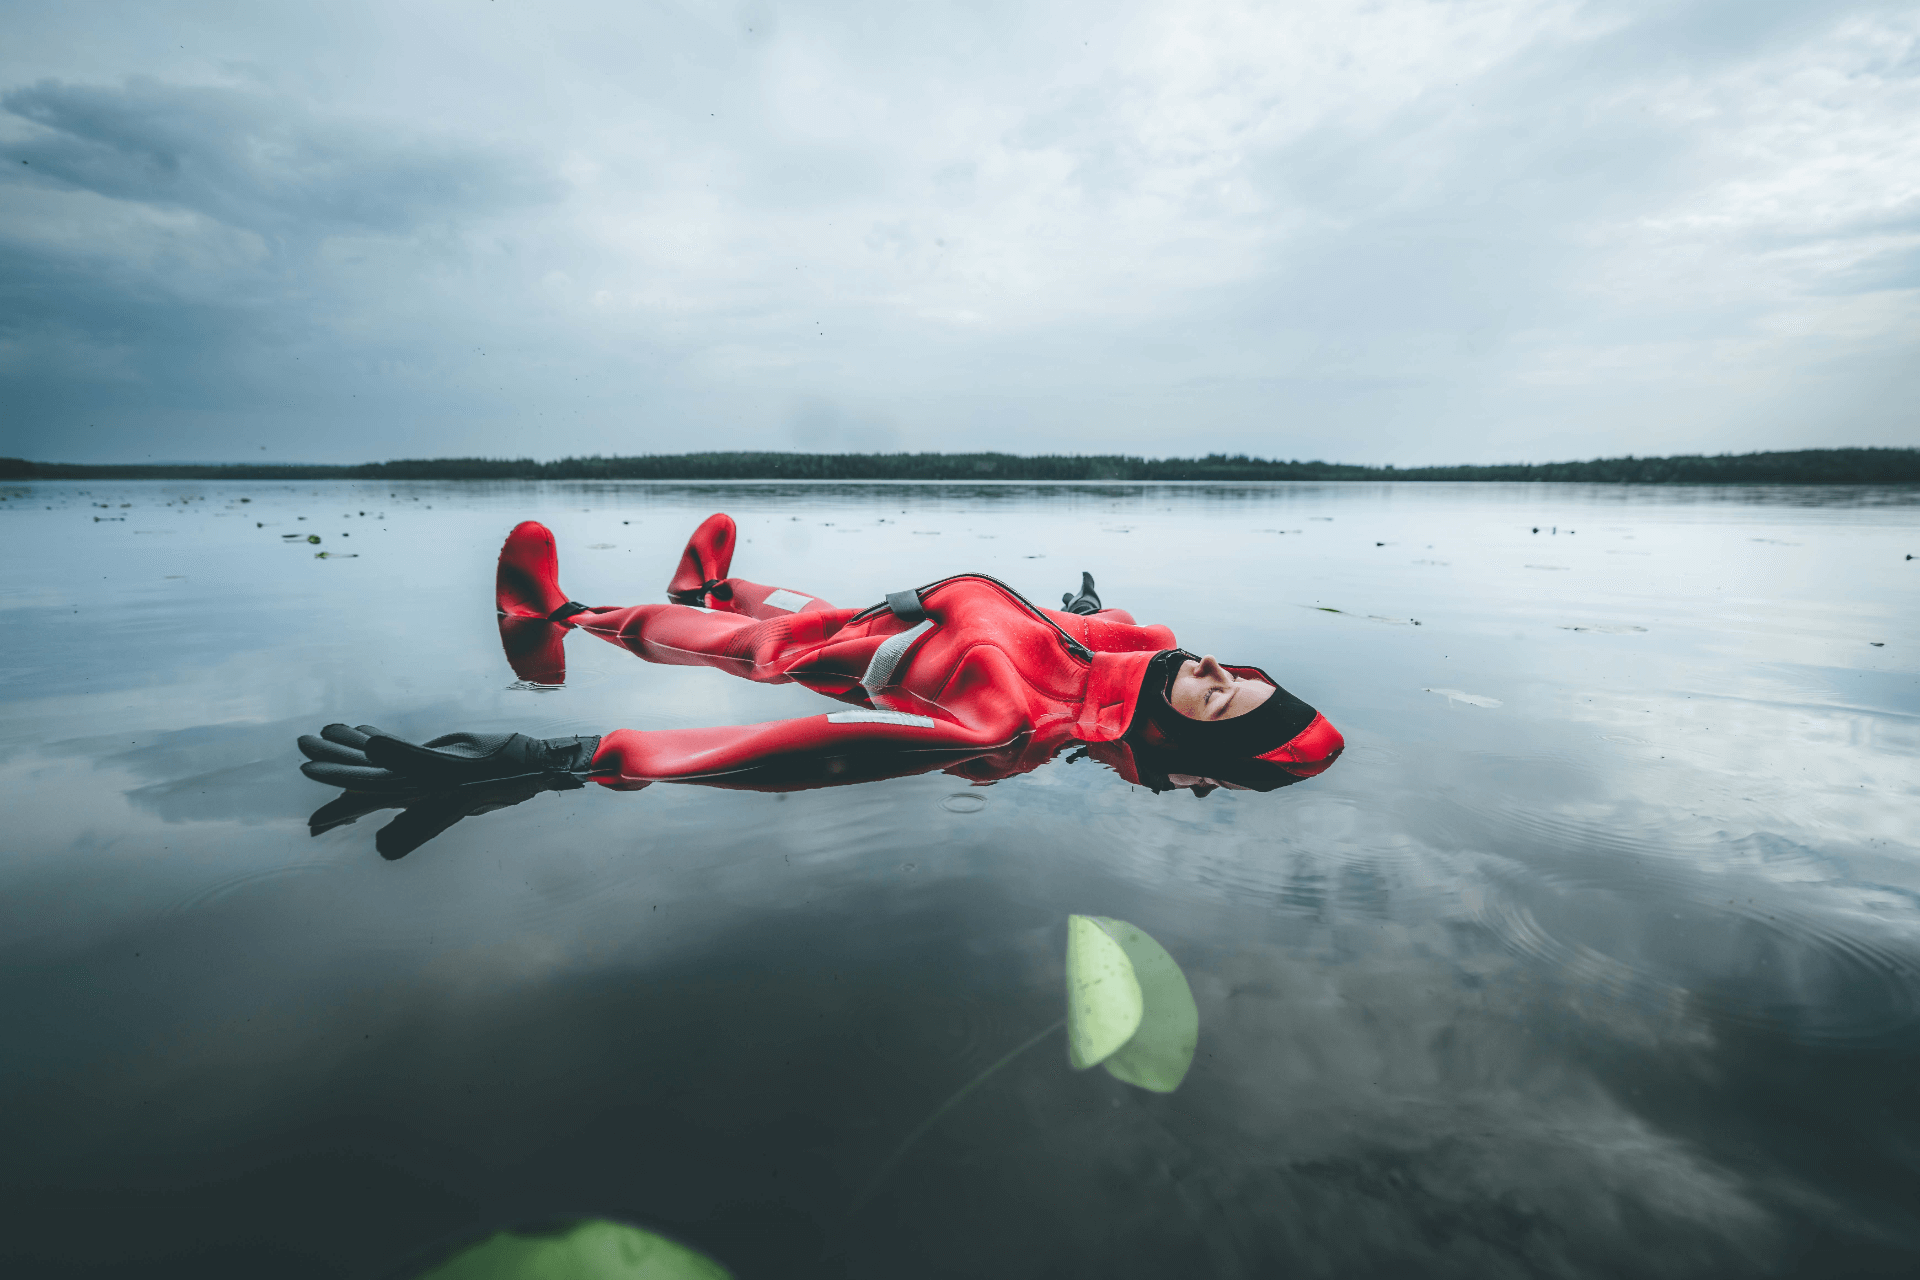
{"type": "Point", "coordinates": [1406, 231]}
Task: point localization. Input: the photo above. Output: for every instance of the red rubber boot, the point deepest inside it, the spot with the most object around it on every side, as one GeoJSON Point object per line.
{"type": "Point", "coordinates": [527, 584]}
{"type": "Point", "coordinates": [705, 562]}
{"type": "Point", "coordinates": [536, 649]}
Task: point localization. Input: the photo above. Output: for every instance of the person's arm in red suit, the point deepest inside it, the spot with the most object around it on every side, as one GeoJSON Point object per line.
{"type": "Point", "coordinates": [1113, 631]}
{"type": "Point", "coordinates": [983, 714]}
{"type": "Point", "coordinates": [629, 756]}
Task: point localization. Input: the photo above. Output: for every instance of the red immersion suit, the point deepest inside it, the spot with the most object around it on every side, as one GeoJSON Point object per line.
{"type": "Point", "coordinates": [985, 676]}
{"type": "Point", "coordinates": [984, 670]}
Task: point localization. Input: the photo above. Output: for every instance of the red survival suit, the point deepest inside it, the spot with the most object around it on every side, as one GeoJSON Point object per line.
{"type": "Point", "coordinates": [963, 668]}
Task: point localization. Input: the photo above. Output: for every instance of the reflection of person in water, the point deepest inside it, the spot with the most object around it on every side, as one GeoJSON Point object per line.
{"type": "Point", "coordinates": [962, 674]}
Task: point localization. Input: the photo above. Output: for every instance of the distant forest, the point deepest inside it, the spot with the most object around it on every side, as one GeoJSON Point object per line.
{"type": "Point", "coordinates": [1805, 466]}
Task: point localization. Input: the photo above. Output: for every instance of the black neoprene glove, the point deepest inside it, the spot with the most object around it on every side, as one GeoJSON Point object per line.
{"type": "Point", "coordinates": [437, 783]}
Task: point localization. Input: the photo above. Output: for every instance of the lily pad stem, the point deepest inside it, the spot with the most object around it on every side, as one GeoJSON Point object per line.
{"type": "Point", "coordinates": [920, 1130]}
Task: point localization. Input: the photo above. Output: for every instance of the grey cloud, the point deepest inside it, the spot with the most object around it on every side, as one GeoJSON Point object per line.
{"type": "Point", "coordinates": [251, 159]}
{"type": "Point", "coordinates": [133, 326]}
{"type": "Point", "coordinates": [127, 317]}
{"type": "Point", "coordinates": [84, 339]}
{"type": "Point", "coordinates": [1405, 233]}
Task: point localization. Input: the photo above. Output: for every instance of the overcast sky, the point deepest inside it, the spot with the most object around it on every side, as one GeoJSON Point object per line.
{"type": "Point", "coordinates": [1400, 231]}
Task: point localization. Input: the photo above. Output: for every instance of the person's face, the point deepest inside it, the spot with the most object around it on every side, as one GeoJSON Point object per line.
{"type": "Point", "coordinates": [1205, 690]}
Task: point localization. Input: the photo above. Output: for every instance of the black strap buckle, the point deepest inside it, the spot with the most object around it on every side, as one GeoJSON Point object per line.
{"type": "Point", "coordinates": [906, 606]}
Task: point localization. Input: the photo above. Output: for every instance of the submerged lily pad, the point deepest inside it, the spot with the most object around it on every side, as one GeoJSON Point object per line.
{"type": "Point", "coordinates": [1158, 1055]}
{"type": "Point", "coordinates": [1104, 1005]}
{"type": "Point", "coordinates": [1129, 1008]}
{"type": "Point", "coordinates": [592, 1250]}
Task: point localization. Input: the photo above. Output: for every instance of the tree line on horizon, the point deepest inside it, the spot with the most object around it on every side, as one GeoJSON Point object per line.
{"type": "Point", "coordinates": [1803, 466]}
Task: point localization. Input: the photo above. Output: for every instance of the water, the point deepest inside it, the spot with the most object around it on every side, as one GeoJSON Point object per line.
{"type": "Point", "coordinates": [1595, 955]}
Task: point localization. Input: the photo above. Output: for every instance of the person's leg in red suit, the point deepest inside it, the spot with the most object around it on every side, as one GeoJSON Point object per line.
{"type": "Point", "coordinates": [744, 634]}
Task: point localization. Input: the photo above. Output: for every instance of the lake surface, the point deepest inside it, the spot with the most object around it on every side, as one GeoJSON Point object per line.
{"type": "Point", "coordinates": [1597, 954]}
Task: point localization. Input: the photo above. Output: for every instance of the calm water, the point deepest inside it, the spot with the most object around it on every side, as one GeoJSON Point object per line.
{"type": "Point", "coordinates": [1597, 954]}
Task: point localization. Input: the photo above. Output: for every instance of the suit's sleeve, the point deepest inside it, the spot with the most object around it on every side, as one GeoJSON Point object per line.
{"type": "Point", "coordinates": [978, 704]}
{"type": "Point", "coordinates": [1114, 631]}
{"type": "Point", "coordinates": [629, 757]}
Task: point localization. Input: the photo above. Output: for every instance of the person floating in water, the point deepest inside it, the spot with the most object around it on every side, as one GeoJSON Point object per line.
{"type": "Point", "coordinates": [963, 674]}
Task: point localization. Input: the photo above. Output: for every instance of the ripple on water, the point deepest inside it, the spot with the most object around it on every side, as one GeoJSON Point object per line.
{"type": "Point", "coordinates": [1508, 822]}
{"type": "Point", "coordinates": [1521, 933]}
{"type": "Point", "coordinates": [964, 802]}
{"type": "Point", "coordinates": [207, 894]}
{"type": "Point", "coordinates": [1368, 752]}
{"type": "Point", "coordinates": [1819, 977]}
{"type": "Point", "coordinates": [575, 725]}
{"type": "Point", "coordinates": [580, 676]}
{"type": "Point", "coordinates": [798, 837]}
{"type": "Point", "coordinates": [1756, 930]}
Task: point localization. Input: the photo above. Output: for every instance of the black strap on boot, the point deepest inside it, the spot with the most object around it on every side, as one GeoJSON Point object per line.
{"type": "Point", "coordinates": [713, 587]}
{"type": "Point", "coordinates": [906, 606]}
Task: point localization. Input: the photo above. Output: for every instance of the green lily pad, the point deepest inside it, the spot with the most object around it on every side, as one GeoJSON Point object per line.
{"type": "Point", "coordinates": [1103, 997]}
{"type": "Point", "coordinates": [1159, 1053]}
{"type": "Point", "coordinates": [591, 1250]}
